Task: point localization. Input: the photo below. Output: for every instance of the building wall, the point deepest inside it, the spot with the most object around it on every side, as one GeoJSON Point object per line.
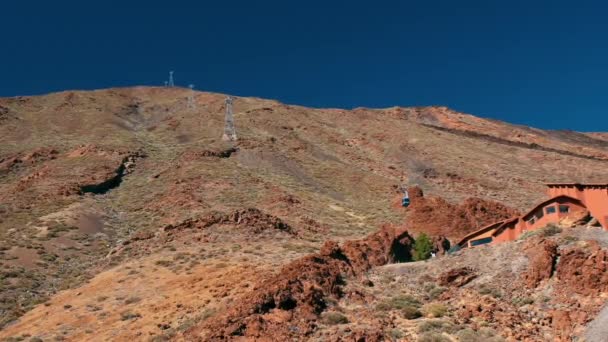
{"type": "Point", "coordinates": [555, 217]}
{"type": "Point", "coordinates": [515, 229]}
{"type": "Point", "coordinates": [568, 190]}
{"type": "Point", "coordinates": [509, 233]}
{"type": "Point", "coordinates": [596, 200]}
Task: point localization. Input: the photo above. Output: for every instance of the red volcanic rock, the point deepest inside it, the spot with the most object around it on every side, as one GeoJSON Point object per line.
{"type": "Point", "coordinates": [289, 304]}
{"type": "Point", "coordinates": [29, 158]}
{"type": "Point", "coordinates": [542, 257]}
{"type": "Point", "coordinates": [441, 244]}
{"type": "Point", "coordinates": [255, 220]}
{"type": "Point", "coordinates": [457, 277]}
{"type": "Point", "coordinates": [583, 270]}
{"type": "Point", "coordinates": [435, 216]}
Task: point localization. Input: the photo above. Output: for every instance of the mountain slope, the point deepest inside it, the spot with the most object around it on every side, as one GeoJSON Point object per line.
{"type": "Point", "coordinates": [85, 174]}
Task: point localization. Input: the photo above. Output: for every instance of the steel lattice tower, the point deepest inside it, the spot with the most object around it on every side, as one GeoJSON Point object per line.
{"type": "Point", "coordinates": [229, 131]}
{"type": "Point", "coordinates": [171, 83]}
{"type": "Point", "coordinates": [191, 103]}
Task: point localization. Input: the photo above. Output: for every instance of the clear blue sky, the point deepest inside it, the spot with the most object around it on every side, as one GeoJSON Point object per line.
{"type": "Point", "coordinates": [540, 63]}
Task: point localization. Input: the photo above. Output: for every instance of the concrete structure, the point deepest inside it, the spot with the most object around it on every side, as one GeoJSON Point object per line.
{"type": "Point", "coordinates": [565, 200]}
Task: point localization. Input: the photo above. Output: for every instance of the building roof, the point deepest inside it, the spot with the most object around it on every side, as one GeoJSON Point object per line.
{"type": "Point", "coordinates": [550, 200]}
{"type": "Point", "coordinates": [504, 225]}
{"type": "Point", "coordinates": [578, 185]}
{"type": "Point", "coordinates": [481, 231]}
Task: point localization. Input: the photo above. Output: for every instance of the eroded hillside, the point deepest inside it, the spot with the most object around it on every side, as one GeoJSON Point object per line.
{"type": "Point", "coordinates": [136, 184]}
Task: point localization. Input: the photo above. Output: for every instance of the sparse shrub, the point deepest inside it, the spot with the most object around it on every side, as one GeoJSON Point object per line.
{"type": "Point", "coordinates": [422, 247]}
{"type": "Point", "coordinates": [132, 300]}
{"type": "Point", "coordinates": [486, 290]}
{"type": "Point", "coordinates": [399, 303]}
{"type": "Point", "coordinates": [93, 308]}
{"type": "Point", "coordinates": [433, 337]}
{"type": "Point", "coordinates": [436, 292]}
{"type": "Point", "coordinates": [127, 315]}
{"type": "Point", "coordinates": [550, 230]}
{"type": "Point", "coordinates": [438, 325]}
{"type": "Point", "coordinates": [411, 312]}
{"type": "Point", "coordinates": [383, 306]}
{"type": "Point", "coordinates": [333, 318]}
{"type": "Point", "coordinates": [435, 310]}
{"type": "Point", "coordinates": [482, 335]}
{"type": "Point", "coordinates": [521, 301]}
{"type": "Point", "coordinates": [528, 234]}
{"type": "Point", "coordinates": [569, 239]}
{"type": "Point", "coordinates": [395, 334]}
{"type": "Point", "coordinates": [164, 263]}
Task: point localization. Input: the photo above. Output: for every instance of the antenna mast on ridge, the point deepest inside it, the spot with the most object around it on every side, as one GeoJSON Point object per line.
{"type": "Point", "coordinates": [229, 132]}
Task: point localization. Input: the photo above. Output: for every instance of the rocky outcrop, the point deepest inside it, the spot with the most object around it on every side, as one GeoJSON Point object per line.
{"type": "Point", "coordinates": [441, 245]}
{"type": "Point", "coordinates": [113, 179]}
{"type": "Point", "coordinates": [288, 305]}
{"type": "Point", "coordinates": [435, 216]}
{"type": "Point", "coordinates": [255, 220]}
{"type": "Point", "coordinates": [209, 153]}
{"type": "Point", "coordinates": [583, 270]}
{"type": "Point", "coordinates": [27, 158]}
{"type": "Point", "coordinates": [457, 277]}
{"type": "Point", "coordinates": [542, 256]}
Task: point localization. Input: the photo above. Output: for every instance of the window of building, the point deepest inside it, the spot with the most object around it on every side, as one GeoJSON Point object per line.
{"type": "Point", "coordinates": [564, 208]}
{"type": "Point", "coordinates": [481, 241]}
{"type": "Point", "coordinates": [550, 210]}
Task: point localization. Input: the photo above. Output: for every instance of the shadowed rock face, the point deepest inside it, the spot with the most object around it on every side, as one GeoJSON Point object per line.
{"type": "Point", "coordinates": [288, 305]}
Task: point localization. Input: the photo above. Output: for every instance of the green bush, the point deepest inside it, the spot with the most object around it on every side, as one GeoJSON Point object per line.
{"type": "Point", "coordinates": [333, 318]}
{"type": "Point", "coordinates": [422, 247]}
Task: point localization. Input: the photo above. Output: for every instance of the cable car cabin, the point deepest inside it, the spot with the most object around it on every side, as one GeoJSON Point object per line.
{"type": "Point", "coordinates": [405, 202]}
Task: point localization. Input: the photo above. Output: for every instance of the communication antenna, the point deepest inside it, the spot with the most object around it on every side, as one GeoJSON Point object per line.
{"type": "Point", "coordinates": [191, 103]}
{"type": "Point", "coordinates": [229, 132]}
{"type": "Point", "coordinates": [171, 83]}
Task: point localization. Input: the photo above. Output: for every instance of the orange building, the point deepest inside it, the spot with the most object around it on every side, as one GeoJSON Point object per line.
{"type": "Point", "coordinates": [564, 200]}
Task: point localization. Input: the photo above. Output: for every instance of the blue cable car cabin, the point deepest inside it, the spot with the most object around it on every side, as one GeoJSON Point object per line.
{"type": "Point", "coordinates": [405, 201]}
